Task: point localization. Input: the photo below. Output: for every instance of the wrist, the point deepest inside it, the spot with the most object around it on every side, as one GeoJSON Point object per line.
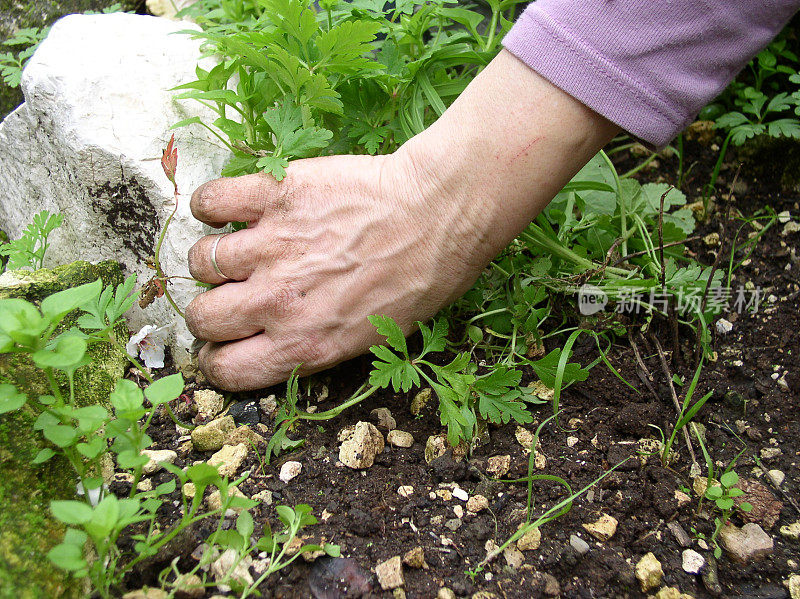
{"type": "Point", "coordinates": [504, 149]}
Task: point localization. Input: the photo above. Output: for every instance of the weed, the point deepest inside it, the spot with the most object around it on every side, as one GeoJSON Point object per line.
{"type": "Point", "coordinates": [722, 496]}
{"type": "Point", "coordinates": [29, 250]}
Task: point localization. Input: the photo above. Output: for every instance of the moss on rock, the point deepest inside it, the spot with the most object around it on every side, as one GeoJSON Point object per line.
{"type": "Point", "coordinates": [27, 531]}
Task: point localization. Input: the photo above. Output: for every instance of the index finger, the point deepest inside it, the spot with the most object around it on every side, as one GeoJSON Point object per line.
{"type": "Point", "coordinates": [235, 199]}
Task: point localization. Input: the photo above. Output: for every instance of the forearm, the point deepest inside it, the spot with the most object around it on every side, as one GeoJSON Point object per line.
{"type": "Point", "coordinates": [504, 149]}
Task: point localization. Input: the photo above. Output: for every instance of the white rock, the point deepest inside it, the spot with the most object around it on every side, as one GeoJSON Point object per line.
{"type": "Point", "coordinates": [477, 503]}
{"type": "Point", "coordinates": [390, 573]}
{"type": "Point", "coordinates": [398, 438]}
{"type": "Point", "coordinates": [268, 405]}
{"type": "Point", "coordinates": [791, 531]}
{"type": "Point", "coordinates": [290, 470]}
{"type": "Point", "coordinates": [157, 457]}
{"type": "Point", "coordinates": [724, 326]}
{"type": "Point", "coordinates": [214, 500]}
{"type": "Point", "coordinates": [498, 465]}
{"type": "Point", "coordinates": [358, 451]}
{"type": "Point", "coordinates": [87, 143]}
{"type": "Point", "coordinates": [784, 217]}
{"type": "Point", "coordinates": [790, 227]}
{"type": "Point", "coordinates": [461, 494]}
{"type": "Point", "coordinates": [226, 564]}
{"type": "Point", "coordinates": [229, 459]}
{"type": "Point", "coordinates": [649, 572]}
{"type": "Point", "coordinates": [794, 586]}
{"type": "Point", "coordinates": [531, 540]}
{"type": "Point", "coordinates": [746, 544]}
{"type": "Point", "coordinates": [167, 8]}
{"type": "Point", "coordinates": [209, 402]}
{"type": "Point", "coordinates": [692, 561]}
{"type": "Point", "coordinates": [405, 490]}
{"type": "Point", "coordinates": [603, 529]}
{"type": "Point", "coordinates": [777, 477]}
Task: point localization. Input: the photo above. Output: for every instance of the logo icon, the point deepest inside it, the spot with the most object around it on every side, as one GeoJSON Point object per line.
{"type": "Point", "coordinates": [591, 299]}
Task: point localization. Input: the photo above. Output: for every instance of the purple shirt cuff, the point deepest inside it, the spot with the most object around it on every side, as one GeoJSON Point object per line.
{"type": "Point", "coordinates": [647, 66]}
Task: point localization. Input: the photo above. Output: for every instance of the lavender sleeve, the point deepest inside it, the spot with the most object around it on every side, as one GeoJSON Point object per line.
{"type": "Point", "coordinates": [647, 65]}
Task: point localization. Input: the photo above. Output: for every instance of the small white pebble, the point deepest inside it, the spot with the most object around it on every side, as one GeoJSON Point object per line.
{"type": "Point", "coordinates": [290, 470]}
{"type": "Point", "coordinates": [724, 326]}
{"type": "Point", "coordinates": [461, 494]}
{"type": "Point", "coordinates": [405, 490]}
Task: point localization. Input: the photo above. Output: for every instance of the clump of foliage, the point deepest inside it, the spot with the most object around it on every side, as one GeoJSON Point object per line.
{"type": "Point", "coordinates": [295, 80]}
{"type": "Point", "coordinates": [88, 435]}
{"type": "Point", "coordinates": [764, 100]}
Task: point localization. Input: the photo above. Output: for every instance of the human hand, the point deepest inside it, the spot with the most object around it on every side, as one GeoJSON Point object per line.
{"type": "Point", "coordinates": [345, 237]}
{"type": "Point", "coordinates": [339, 239]}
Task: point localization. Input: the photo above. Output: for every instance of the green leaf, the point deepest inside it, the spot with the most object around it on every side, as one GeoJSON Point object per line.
{"type": "Point", "coordinates": [784, 128]}
{"type": "Point", "coordinates": [245, 526]}
{"type": "Point", "coordinates": [104, 517]}
{"type": "Point", "coordinates": [68, 353]}
{"type": "Point", "coordinates": [725, 503]}
{"type": "Point", "coordinates": [386, 326]}
{"type": "Point", "coordinates": [714, 492]}
{"type": "Point", "coordinates": [332, 550]}
{"type": "Point", "coordinates": [435, 339]}
{"type": "Point", "coordinates": [729, 479]}
{"type": "Point", "coordinates": [127, 399]}
{"type": "Point", "coordinates": [745, 506]}
{"type": "Point", "coordinates": [67, 557]}
{"type": "Point", "coordinates": [10, 398]}
{"type": "Point", "coordinates": [273, 165]}
{"type": "Point", "coordinates": [547, 367]}
{"type": "Point", "coordinates": [165, 389]}
{"type": "Point", "coordinates": [57, 305]}
{"type": "Point", "coordinates": [60, 435]}
{"type": "Point", "coordinates": [393, 370]}
{"type": "Point", "coordinates": [71, 512]}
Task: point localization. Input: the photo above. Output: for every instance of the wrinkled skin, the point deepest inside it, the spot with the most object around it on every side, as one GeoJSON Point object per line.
{"type": "Point", "coordinates": [339, 239]}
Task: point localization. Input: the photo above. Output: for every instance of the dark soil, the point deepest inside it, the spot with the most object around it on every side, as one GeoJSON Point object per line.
{"type": "Point", "coordinates": [749, 410]}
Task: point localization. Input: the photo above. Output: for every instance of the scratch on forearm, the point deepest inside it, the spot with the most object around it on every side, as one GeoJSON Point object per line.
{"type": "Point", "coordinates": [524, 151]}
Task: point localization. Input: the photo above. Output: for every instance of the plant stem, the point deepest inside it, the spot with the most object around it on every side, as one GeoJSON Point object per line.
{"type": "Point", "coordinates": [623, 210]}
{"type": "Point", "coordinates": [334, 412]}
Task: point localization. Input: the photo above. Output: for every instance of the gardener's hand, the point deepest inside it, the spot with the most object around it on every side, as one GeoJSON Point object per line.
{"type": "Point", "coordinates": [344, 237]}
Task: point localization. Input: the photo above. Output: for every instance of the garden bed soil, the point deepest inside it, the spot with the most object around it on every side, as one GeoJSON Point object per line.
{"type": "Point", "coordinates": [602, 420]}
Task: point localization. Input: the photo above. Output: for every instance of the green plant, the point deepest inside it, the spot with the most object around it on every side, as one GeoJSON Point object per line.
{"type": "Point", "coordinates": [28, 251]}
{"type": "Point", "coordinates": [687, 412]}
{"type": "Point", "coordinates": [295, 80]}
{"type": "Point", "coordinates": [21, 46]}
{"type": "Point", "coordinates": [762, 102]}
{"type": "Point", "coordinates": [722, 496]}
{"type": "Point", "coordinates": [86, 435]}
{"type": "Point", "coordinates": [276, 545]}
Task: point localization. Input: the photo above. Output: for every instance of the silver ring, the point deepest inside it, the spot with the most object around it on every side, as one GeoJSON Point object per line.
{"type": "Point", "coordinates": [214, 256]}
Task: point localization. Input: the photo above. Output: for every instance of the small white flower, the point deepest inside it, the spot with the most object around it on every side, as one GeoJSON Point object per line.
{"type": "Point", "coordinates": [148, 344]}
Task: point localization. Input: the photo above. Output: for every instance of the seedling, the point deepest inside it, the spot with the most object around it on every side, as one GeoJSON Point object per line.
{"type": "Point", "coordinates": [722, 496]}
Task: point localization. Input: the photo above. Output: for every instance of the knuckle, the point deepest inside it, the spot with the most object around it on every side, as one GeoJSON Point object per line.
{"type": "Point", "coordinates": [279, 301]}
